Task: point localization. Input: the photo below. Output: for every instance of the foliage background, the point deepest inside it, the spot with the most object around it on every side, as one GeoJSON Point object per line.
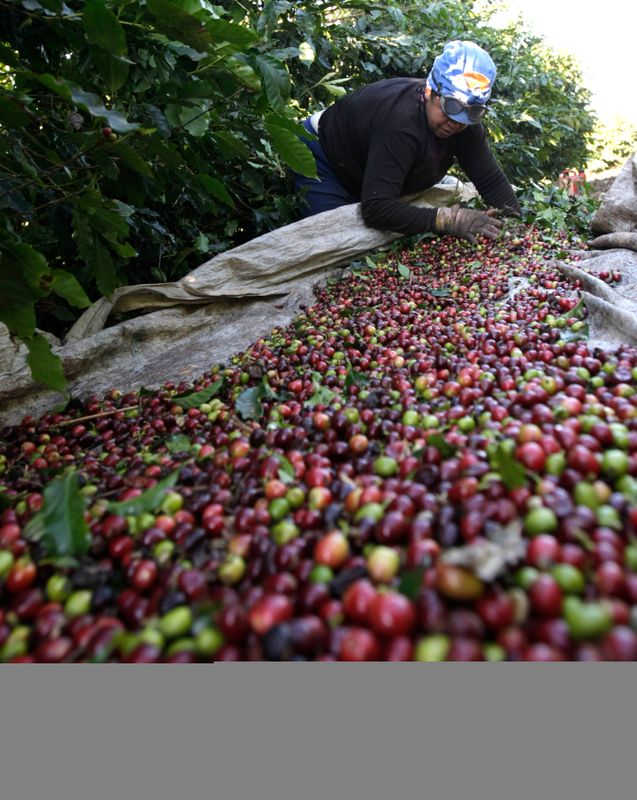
{"type": "Point", "coordinates": [139, 138]}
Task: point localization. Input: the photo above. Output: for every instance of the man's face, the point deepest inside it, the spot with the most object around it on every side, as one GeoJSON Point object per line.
{"type": "Point", "coordinates": [440, 124]}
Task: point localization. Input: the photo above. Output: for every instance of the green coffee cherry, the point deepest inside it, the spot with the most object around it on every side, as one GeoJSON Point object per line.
{"type": "Point", "coordinates": [176, 622]}
{"type": "Point", "coordinates": [78, 603]}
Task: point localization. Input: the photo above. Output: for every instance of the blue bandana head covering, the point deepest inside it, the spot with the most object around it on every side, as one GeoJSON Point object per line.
{"type": "Point", "coordinates": [464, 71]}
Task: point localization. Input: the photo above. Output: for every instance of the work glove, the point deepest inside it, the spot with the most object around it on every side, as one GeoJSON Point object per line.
{"type": "Point", "coordinates": [467, 223]}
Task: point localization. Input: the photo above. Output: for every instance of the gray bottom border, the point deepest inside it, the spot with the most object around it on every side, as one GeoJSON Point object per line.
{"type": "Point", "coordinates": [318, 731]}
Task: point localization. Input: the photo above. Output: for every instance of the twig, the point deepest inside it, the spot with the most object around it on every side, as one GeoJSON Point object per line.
{"type": "Point", "coordinates": [96, 416]}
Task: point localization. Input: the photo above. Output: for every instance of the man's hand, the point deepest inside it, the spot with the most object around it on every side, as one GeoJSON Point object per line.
{"type": "Point", "coordinates": [467, 223]}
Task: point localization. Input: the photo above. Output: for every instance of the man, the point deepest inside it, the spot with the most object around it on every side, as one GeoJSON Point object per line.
{"type": "Point", "coordinates": [400, 136]}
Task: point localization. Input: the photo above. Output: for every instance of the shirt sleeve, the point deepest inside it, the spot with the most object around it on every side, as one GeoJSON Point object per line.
{"type": "Point", "coordinates": [478, 162]}
{"type": "Point", "coordinates": [389, 161]}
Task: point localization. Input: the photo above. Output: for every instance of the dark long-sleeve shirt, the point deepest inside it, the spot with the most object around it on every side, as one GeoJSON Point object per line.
{"type": "Point", "coordinates": [379, 144]}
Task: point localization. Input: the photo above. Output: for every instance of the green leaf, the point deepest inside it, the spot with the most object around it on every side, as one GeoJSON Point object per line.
{"type": "Point", "coordinates": [216, 188]}
{"type": "Point", "coordinates": [67, 286]}
{"type": "Point", "coordinates": [92, 103]}
{"type": "Point", "coordinates": [290, 125]}
{"type": "Point", "coordinates": [334, 90]}
{"type": "Point", "coordinates": [102, 27]}
{"type": "Point", "coordinates": [103, 269]}
{"type": "Point", "coordinates": [178, 444]}
{"type": "Point", "coordinates": [268, 391]}
{"type": "Point", "coordinates": [529, 121]}
{"type": "Point", "coordinates": [173, 20]}
{"type": "Point", "coordinates": [248, 403]}
{"type": "Point", "coordinates": [353, 378]}
{"type": "Point", "coordinates": [60, 525]}
{"type": "Point", "coordinates": [411, 582]}
{"type": "Point", "coordinates": [579, 311]}
{"type": "Point", "coordinates": [244, 73]}
{"type": "Point", "coordinates": [404, 272]}
{"type": "Point", "coordinates": [12, 113]}
{"type": "Point", "coordinates": [445, 449]}
{"type": "Point", "coordinates": [241, 36]}
{"type": "Point", "coordinates": [195, 120]}
{"type": "Point", "coordinates": [132, 159]}
{"type": "Point", "coordinates": [230, 146]}
{"type": "Point", "coordinates": [110, 223]}
{"type": "Point", "coordinates": [9, 57]}
{"type": "Point", "coordinates": [286, 470]}
{"type": "Point", "coordinates": [113, 69]}
{"type": "Point", "coordinates": [30, 263]}
{"type": "Point", "coordinates": [159, 120]}
{"type": "Point", "coordinates": [54, 83]}
{"type": "Point", "coordinates": [106, 165]}
{"type": "Point", "coordinates": [502, 460]}
{"type": "Point", "coordinates": [148, 501]}
{"type": "Point", "coordinates": [276, 81]}
{"type": "Point", "coordinates": [83, 234]}
{"type": "Point", "coordinates": [292, 150]}
{"type": "Point", "coordinates": [202, 243]}
{"type": "Point", "coordinates": [17, 301]}
{"type": "Point", "coordinates": [45, 366]}
{"type": "Point", "coordinates": [195, 399]}
{"type": "Point", "coordinates": [322, 394]}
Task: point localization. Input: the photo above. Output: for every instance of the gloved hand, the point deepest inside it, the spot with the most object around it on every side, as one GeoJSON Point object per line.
{"type": "Point", "coordinates": [467, 223]}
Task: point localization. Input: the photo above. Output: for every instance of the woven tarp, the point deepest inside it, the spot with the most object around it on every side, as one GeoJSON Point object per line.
{"type": "Point", "coordinates": [618, 213]}
{"type": "Point", "coordinates": [612, 312]}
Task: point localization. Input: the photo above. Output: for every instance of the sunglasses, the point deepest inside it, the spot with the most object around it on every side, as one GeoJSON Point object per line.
{"type": "Point", "coordinates": [452, 106]}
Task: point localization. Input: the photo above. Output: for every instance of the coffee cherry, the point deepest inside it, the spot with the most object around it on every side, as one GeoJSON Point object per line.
{"type": "Point", "coordinates": [391, 614]}
{"type": "Point", "coordinates": [359, 644]}
{"type": "Point", "coordinates": [458, 583]}
{"type": "Point", "coordinates": [545, 596]}
{"type": "Point", "coordinates": [357, 600]}
{"type": "Point", "coordinates": [269, 611]}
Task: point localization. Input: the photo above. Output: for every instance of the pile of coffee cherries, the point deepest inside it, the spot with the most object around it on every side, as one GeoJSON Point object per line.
{"type": "Point", "coordinates": [326, 494]}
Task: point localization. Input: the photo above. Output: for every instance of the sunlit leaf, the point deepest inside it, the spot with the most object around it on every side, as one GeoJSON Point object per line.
{"type": "Point", "coordinates": [306, 53]}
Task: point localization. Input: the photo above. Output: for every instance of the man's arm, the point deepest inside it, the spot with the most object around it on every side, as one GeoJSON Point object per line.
{"type": "Point", "coordinates": [389, 161]}
{"type": "Point", "coordinates": [478, 162]}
